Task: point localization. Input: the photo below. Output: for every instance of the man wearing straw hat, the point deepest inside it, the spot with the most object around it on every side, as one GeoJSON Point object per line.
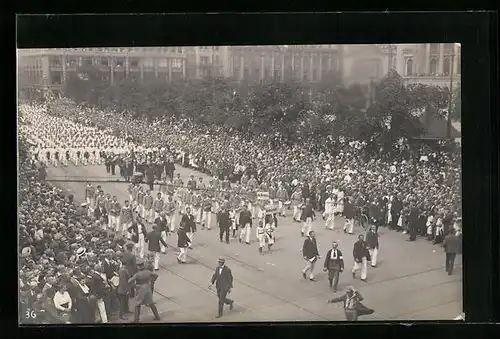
{"type": "Point", "coordinates": [223, 279]}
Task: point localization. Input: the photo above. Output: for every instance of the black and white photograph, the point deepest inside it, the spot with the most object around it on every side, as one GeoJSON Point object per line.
{"type": "Point", "coordinates": [239, 183]}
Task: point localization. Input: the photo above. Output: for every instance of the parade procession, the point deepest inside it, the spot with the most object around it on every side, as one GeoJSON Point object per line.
{"type": "Point", "coordinates": [202, 223]}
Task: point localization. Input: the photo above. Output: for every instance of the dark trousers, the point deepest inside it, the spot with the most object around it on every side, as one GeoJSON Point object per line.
{"type": "Point", "coordinates": [413, 232]}
{"type": "Point", "coordinates": [137, 312]}
{"type": "Point", "coordinates": [333, 278]}
{"type": "Point", "coordinates": [223, 230]}
{"type": "Point", "coordinates": [123, 300]}
{"type": "Point", "coordinates": [394, 221]}
{"type": "Point", "coordinates": [151, 186]}
{"type": "Point", "coordinates": [83, 312]}
{"type": "Point", "coordinates": [108, 168]}
{"type": "Point", "coordinates": [222, 293]}
{"type": "Point", "coordinates": [112, 169]}
{"type": "Point", "coordinates": [450, 262]}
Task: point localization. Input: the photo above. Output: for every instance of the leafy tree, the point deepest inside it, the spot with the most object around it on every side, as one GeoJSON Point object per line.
{"type": "Point", "coordinates": [429, 100]}
{"type": "Point", "coordinates": [456, 112]}
{"type": "Point", "coordinates": [390, 116]}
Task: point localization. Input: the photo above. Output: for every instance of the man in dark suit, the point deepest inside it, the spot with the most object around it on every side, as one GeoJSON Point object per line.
{"type": "Point", "coordinates": [396, 208]}
{"type": "Point", "coordinates": [161, 222]}
{"type": "Point", "coordinates": [224, 221]}
{"type": "Point", "coordinates": [452, 246]}
{"type": "Point", "coordinates": [372, 244]}
{"type": "Point", "coordinates": [311, 254]}
{"type": "Point", "coordinates": [123, 289]}
{"type": "Point", "coordinates": [154, 239]}
{"type": "Point", "coordinates": [129, 259]}
{"type": "Point", "coordinates": [223, 279]}
{"type": "Point", "coordinates": [334, 264]}
{"type": "Point", "coordinates": [100, 288]}
{"type": "Point", "coordinates": [413, 223]}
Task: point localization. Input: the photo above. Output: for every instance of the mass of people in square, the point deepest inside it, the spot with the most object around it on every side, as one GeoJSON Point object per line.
{"type": "Point", "coordinates": [83, 258]}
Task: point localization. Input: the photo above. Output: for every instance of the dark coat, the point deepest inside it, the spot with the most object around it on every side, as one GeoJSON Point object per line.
{"type": "Point", "coordinates": [360, 250]}
{"type": "Point", "coordinates": [223, 219]}
{"type": "Point", "coordinates": [182, 239]}
{"type": "Point", "coordinates": [224, 280]}
{"type": "Point", "coordinates": [162, 223]}
{"type": "Point", "coordinates": [154, 238]}
{"type": "Point", "coordinates": [310, 248]}
{"type": "Point", "coordinates": [150, 175]}
{"type": "Point", "coordinates": [98, 286]}
{"type": "Point", "coordinates": [134, 230]}
{"type": "Point", "coordinates": [124, 286]}
{"type": "Point", "coordinates": [453, 244]}
{"type": "Point", "coordinates": [348, 210]}
{"type": "Point", "coordinates": [371, 240]}
{"type": "Point", "coordinates": [245, 218]}
{"type": "Point", "coordinates": [130, 262]}
{"type": "Point", "coordinates": [334, 264]}
{"type": "Point", "coordinates": [109, 269]}
{"type": "Point", "coordinates": [188, 221]}
{"type": "Point", "coordinates": [143, 280]}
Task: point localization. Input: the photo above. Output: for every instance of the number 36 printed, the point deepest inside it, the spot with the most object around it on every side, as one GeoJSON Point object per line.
{"type": "Point", "coordinates": [30, 314]}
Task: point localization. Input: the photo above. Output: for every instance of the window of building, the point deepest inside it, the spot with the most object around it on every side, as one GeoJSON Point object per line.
{"type": "Point", "coordinates": [433, 66]}
{"type": "Point", "coordinates": [148, 62]}
{"type": "Point", "coordinates": [246, 73]}
{"type": "Point", "coordinates": [56, 78]}
{"type": "Point", "coordinates": [104, 62]}
{"type": "Point", "coordinates": [216, 57]}
{"type": "Point", "coordinates": [134, 63]}
{"type": "Point", "coordinates": [277, 74]}
{"type": "Point", "coordinates": [87, 61]}
{"type": "Point", "coordinates": [315, 75]}
{"type": "Point", "coordinates": [55, 61]}
{"type": "Point", "coordinates": [176, 63]}
{"type": "Point", "coordinates": [304, 76]}
{"type": "Point", "coordinates": [71, 62]}
{"type": "Point", "coordinates": [119, 62]}
{"type": "Point", "coordinates": [409, 67]}
{"type": "Point", "coordinates": [163, 63]}
{"type": "Point", "coordinates": [204, 60]}
{"type": "Point", "coordinates": [447, 65]}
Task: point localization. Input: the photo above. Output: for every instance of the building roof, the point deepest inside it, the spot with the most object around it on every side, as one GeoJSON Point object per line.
{"type": "Point", "coordinates": [436, 128]}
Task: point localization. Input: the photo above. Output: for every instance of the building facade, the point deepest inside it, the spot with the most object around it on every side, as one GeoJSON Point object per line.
{"type": "Point", "coordinates": [46, 70]}
{"type": "Point", "coordinates": [430, 64]}
{"type": "Point", "coordinates": [309, 63]}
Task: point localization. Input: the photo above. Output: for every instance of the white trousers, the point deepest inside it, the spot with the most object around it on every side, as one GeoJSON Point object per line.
{"type": "Point", "coordinates": [362, 265]}
{"type": "Point", "coordinates": [309, 268]}
{"type": "Point", "coordinates": [139, 247]}
{"type": "Point", "coordinates": [207, 219]}
{"type": "Point", "coordinates": [262, 240]}
{"type": "Point", "coordinates": [157, 260]}
{"type": "Point", "coordinates": [296, 213]}
{"type": "Point", "coordinates": [101, 308]}
{"type": "Point", "coordinates": [373, 255]}
{"type": "Point", "coordinates": [164, 237]}
{"type": "Point", "coordinates": [190, 235]}
{"type": "Point", "coordinates": [171, 221]}
{"type": "Point", "coordinates": [281, 209]}
{"type": "Point", "coordinates": [123, 229]}
{"type": "Point", "coordinates": [307, 226]}
{"type": "Point", "coordinates": [183, 254]}
{"type": "Point", "coordinates": [330, 221]}
{"type": "Point", "coordinates": [114, 222]}
{"type": "Point", "coordinates": [349, 225]}
{"type": "Point", "coordinates": [245, 233]}
{"type": "Point", "coordinates": [149, 215]}
{"type": "Point", "coordinates": [197, 214]}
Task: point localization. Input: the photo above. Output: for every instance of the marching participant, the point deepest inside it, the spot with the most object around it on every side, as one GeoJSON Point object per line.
{"type": "Point", "coordinates": [158, 205]}
{"type": "Point", "coordinates": [361, 257]}
{"type": "Point", "coordinates": [245, 223]}
{"type": "Point", "coordinates": [260, 233]}
{"type": "Point", "coordinates": [183, 244]}
{"type": "Point", "coordinates": [329, 213]}
{"type": "Point", "coordinates": [138, 235]}
{"type": "Point", "coordinates": [170, 213]}
{"type": "Point", "coordinates": [144, 296]}
{"type": "Point", "coordinates": [189, 225]}
{"type": "Point", "coordinates": [114, 214]}
{"type": "Point", "coordinates": [372, 244]}
{"type": "Point", "coordinates": [311, 255]}
{"type": "Point", "coordinates": [90, 195]}
{"type": "Point", "coordinates": [130, 189]}
{"type": "Point", "coordinates": [348, 211]}
{"type": "Point", "coordinates": [282, 196]}
{"type": "Point", "coordinates": [188, 199]}
{"type": "Point", "coordinates": [196, 201]}
{"type": "Point", "coordinates": [140, 200]}
{"type": "Point", "coordinates": [307, 217]}
{"type": "Point", "coordinates": [234, 203]}
{"type": "Point", "coordinates": [148, 212]}
{"type": "Point", "coordinates": [126, 219]}
{"type": "Point", "coordinates": [269, 231]}
{"type": "Point", "coordinates": [297, 204]}
{"type": "Point", "coordinates": [154, 240]}
{"type": "Point", "coordinates": [334, 264]}
{"type": "Point", "coordinates": [207, 212]}
{"type": "Point", "coordinates": [161, 222]}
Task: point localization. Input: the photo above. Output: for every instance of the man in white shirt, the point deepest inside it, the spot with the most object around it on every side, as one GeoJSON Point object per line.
{"type": "Point", "coordinates": [329, 214]}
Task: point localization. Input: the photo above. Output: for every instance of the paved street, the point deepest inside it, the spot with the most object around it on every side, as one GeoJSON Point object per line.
{"type": "Point", "coordinates": [410, 282]}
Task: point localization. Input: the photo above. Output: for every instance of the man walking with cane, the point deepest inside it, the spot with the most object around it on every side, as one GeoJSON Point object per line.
{"type": "Point", "coordinates": [310, 254]}
{"type": "Point", "coordinates": [223, 279]}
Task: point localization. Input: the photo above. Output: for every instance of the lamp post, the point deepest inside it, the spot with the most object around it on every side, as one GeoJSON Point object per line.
{"type": "Point", "coordinates": [448, 125]}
